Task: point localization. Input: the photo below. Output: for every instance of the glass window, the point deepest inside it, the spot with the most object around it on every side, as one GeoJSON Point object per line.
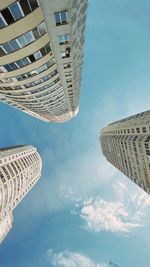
{"type": "Point", "coordinates": [7, 16]}
{"type": "Point", "coordinates": [32, 58]}
{"type": "Point", "coordinates": [13, 66]}
{"type": "Point", "coordinates": [48, 48]}
{"type": "Point", "coordinates": [33, 4]}
{"type": "Point", "coordinates": [14, 45]}
{"type": "Point", "coordinates": [63, 39]}
{"type": "Point", "coordinates": [22, 41]}
{"type": "Point", "coordinates": [15, 11]}
{"type": "Point", "coordinates": [42, 28]}
{"type": "Point", "coordinates": [20, 63]}
{"type": "Point", "coordinates": [26, 61]}
{"type": "Point", "coordinates": [8, 67]}
{"type": "Point", "coordinates": [43, 52]}
{"type": "Point", "coordinates": [36, 33]}
{"type": "Point", "coordinates": [61, 18]}
{"type": "Point", "coordinates": [37, 55]}
{"type": "Point", "coordinates": [25, 7]}
{"type": "Point", "coordinates": [144, 129]}
{"type": "Point", "coordinates": [29, 37]}
{"type": "Point", "coordinates": [7, 47]}
{"type": "Point", "coordinates": [2, 23]}
{"type": "Point", "coordinates": [2, 52]}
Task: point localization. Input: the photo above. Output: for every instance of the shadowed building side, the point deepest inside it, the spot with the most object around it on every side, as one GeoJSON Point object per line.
{"type": "Point", "coordinates": [126, 145]}
{"type": "Point", "coordinates": [20, 169]}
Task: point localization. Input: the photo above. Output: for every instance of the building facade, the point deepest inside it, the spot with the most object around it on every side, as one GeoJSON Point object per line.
{"type": "Point", "coordinates": [126, 145]}
{"type": "Point", "coordinates": [20, 169]}
{"type": "Point", "coordinates": [41, 56]}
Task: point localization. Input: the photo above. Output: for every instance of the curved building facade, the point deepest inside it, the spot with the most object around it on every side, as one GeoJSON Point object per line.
{"type": "Point", "coordinates": [126, 145]}
{"type": "Point", "coordinates": [41, 56]}
{"type": "Point", "coordinates": [20, 169]}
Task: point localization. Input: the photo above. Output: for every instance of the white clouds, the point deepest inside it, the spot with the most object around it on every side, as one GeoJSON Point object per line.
{"type": "Point", "coordinates": [69, 259]}
{"type": "Point", "coordinates": [121, 215]}
{"type": "Point", "coordinates": [101, 215]}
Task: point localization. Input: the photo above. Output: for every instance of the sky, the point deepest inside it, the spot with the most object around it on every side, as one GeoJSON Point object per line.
{"type": "Point", "coordinates": [83, 211]}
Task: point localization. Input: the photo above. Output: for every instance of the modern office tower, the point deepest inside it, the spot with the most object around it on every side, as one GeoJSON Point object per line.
{"type": "Point", "coordinates": [20, 169]}
{"type": "Point", "coordinates": [41, 56]}
{"type": "Point", "coordinates": [126, 145]}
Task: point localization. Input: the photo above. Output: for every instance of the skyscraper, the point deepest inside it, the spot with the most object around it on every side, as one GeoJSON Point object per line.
{"type": "Point", "coordinates": [126, 145]}
{"type": "Point", "coordinates": [20, 169]}
{"type": "Point", "coordinates": [41, 56]}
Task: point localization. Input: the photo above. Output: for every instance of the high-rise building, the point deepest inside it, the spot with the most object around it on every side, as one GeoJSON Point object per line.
{"type": "Point", "coordinates": [20, 169]}
{"type": "Point", "coordinates": [126, 145]}
{"type": "Point", "coordinates": [41, 56]}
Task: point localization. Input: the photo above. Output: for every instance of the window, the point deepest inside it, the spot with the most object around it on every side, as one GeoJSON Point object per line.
{"type": "Point", "coordinates": [144, 129]}
{"type": "Point", "coordinates": [61, 18]}
{"type": "Point", "coordinates": [42, 28]}
{"type": "Point", "coordinates": [138, 130]}
{"type": "Point", "coordinates": [7, 16]}
{"type": "Point", "coordinates": [2, 22]}
{"type": "Point", "coordinates": [16, 11]}
{"type": "Point", "coordinates": [22, 41]}
{"type": "Point", "coordinates": [66, 53]}
{"type": "Point", "coordinates": [2, 52]}
{"type": "Point", "coordinates": [27, 60]}
{"type": "Point", "coordinates": [67, 65]}
{"type": "Point", "coordinates": [14, 44]}
{"type": "Point", "coordinates": [25, 7]}
{"type": "Point", "coordinates": [7, 47]}
{"type": "Point", "coordinates": [29, 37]}
{"type": "Point", "coordinates": [63, 39]}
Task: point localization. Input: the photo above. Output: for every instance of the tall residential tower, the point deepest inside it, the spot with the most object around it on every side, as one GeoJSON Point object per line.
{"type": "Point", "coordinates": [126, 145]}
{"type": "Point", "coordinates": [20, 169]}
{"type": "Point", "coordinates": [41, 56]}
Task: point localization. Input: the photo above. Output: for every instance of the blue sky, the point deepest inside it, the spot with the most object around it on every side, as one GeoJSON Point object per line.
{"type": "Point", "coordinates": [83, 212]}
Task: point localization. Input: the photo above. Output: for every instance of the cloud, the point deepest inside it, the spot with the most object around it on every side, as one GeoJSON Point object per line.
{"type": "Point", "coordinates": [102, 215]}
{"type": "Point", "coordinates": [126, 211]}
{"type": "Point", "coordinates": [70, 259]}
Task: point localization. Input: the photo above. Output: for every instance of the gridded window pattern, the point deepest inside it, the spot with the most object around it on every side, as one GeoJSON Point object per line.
{"type": "Point", "coordinates": [16, 11]}
{"type": "Point", "coordinates": [66, 53]}
{"type": "Point", "coordinates": [63, 39]}
{"type": "Point", "coordinates": [28, 60]}
{"type": "Point", "coordinates": [61, 18]}
{"type": "Point", "coordinates": [23, 40]}
{"type": "Point", "coordinates": [30, 74]}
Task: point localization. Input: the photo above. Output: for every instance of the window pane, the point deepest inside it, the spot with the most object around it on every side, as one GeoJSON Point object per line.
{"type": "Point", "coordinates": [20, 63]}
{"type": "Point", "coordinates": [36, 33]}
{"type": "Point", "coordinates": [25, 7]}
{"type": "Point", "coordinates": [26, 61]}
{"type": "Point", "coordinates": [48, 48]}
{"type": "Point", "coordinates": [7, 48]}
{"type": "Point", "coordinates": [37, 55]}
{"type": "Point", "coordinates": [63, 16]}
{"type": "Point", "coordinates": [2, 23]}
{"type": "Point", "coordinates": [7, 16]}
{"type": "Point", "coordinates": [22, 41]}
{"type": "Point", "coordinates": [15, 11]}
{"type": "Point", "coordinates": [57, 18]}
{"type": "Point", "coordinates": [13, 66]}
{"type": "Point", "coordinates": [29, 37]}
{"type": "Point", "coordinates": [43, 52]}
{"type": "Point", "coordinates": [33, 4]}
{"type": "Point", "coordinates": [41, 28]}
{"type": "Point", "coordinates": [14, 45]}
{"type": "Point", "coordinates": [32, 58]}
{"type": "Point", "coordinates": [2, 52]}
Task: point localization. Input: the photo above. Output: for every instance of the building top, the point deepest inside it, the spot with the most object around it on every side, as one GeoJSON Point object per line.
{"type": "Point", "coordinates": [41, 55]}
